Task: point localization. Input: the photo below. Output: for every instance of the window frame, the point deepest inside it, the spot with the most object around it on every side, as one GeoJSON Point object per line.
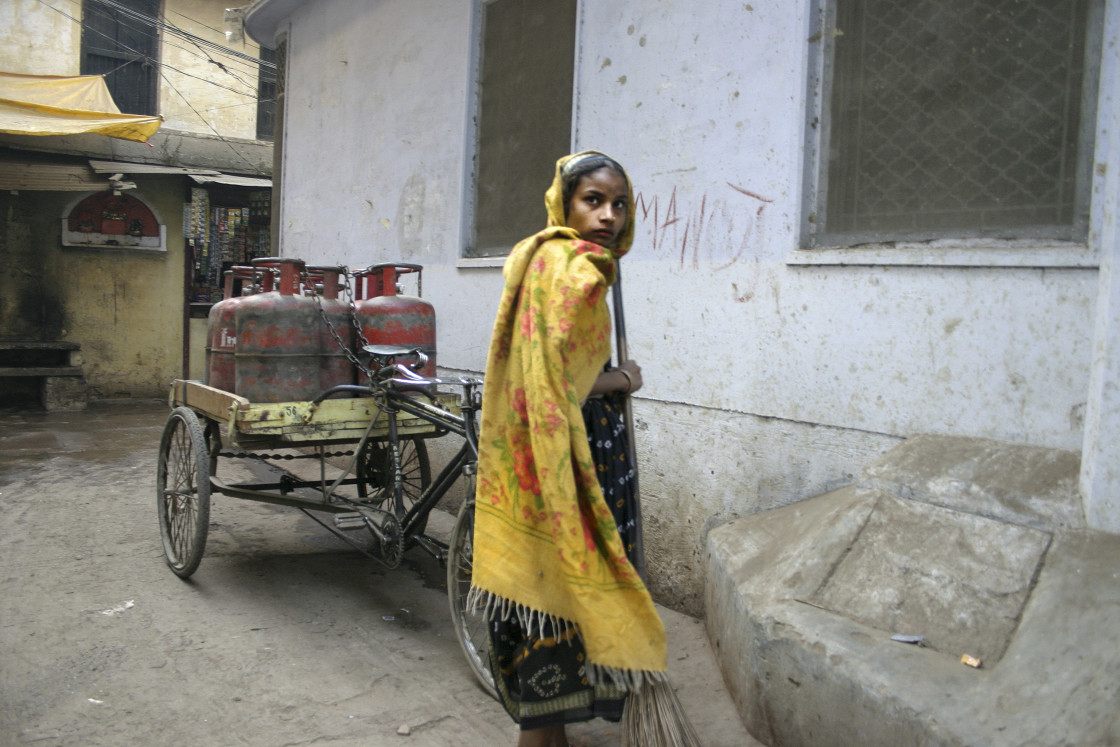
{"type": "Point", "coordinates": [477, 251]}
{"type": "Point", "coordinates": [267, 87]}
{"type": "Point", "coordinates": [951, 248]}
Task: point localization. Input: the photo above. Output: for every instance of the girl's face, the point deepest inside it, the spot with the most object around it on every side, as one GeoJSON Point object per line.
{"type": "Point", "coordinates": [599, 206]}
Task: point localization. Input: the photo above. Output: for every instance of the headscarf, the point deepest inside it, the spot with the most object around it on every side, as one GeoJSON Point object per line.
{"type": "Point", "coordinates": [545, 541]}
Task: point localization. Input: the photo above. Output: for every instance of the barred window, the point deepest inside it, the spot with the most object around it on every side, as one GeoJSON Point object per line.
{"type": "Point", "coordinates": [266, 94]}
{"type": "Point", "coordinates": [953, 118]}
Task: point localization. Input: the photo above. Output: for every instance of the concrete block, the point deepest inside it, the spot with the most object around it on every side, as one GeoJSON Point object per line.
{"type": "Point", "coordinates": [67, 393]}
{"type": "Point", "coordinates": [957, 579]}
{"type": "Point", "coordinates": [1018, 483]}
{"type": "Point", "coordinates": [800, 674]}
{"type": "Point", "coordinates": [801, 603]}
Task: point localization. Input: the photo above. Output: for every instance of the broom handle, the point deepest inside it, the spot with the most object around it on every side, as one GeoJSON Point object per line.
{"type": "Point", "coordinates": [631, 450]}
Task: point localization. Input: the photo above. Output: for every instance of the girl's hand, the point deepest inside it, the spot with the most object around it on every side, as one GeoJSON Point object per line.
{"type": "Point", "coordinates": [626, 379]}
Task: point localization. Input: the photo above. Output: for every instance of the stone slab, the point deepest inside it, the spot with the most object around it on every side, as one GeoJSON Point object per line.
{"type": "Point", "coordinates": [1018, 483]}
{"type": "Point", "coordinates": [809, 665]}
{"type": "Point", "coordinates": [957, 579]}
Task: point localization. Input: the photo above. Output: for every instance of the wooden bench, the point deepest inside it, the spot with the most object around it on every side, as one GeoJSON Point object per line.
{"type": "Point", "coordinates": [57, 366]}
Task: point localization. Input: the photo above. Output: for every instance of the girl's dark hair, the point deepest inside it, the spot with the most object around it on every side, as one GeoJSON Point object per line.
{"type": "Point", "coordinates": [576, 168]}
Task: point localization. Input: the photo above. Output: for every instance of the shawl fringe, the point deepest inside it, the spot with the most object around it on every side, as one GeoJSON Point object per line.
{"type": "Point", "coordinates": [495, 607]}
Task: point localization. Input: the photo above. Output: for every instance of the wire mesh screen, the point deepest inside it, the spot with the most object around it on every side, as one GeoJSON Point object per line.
{"type": "Point", "coordinates": [266, 94]}
{"type": "Point", "coordinates": [955, 117]}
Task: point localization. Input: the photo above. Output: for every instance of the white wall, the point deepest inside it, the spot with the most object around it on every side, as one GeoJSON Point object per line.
{"type": "Point", "coordinates": [25, 24]}
{"type": "Point", "coordinates": [768, 380]}
{"type": "Point", "coordinates": [202, 90]}
{"type": "Point", "coordinates": [707, 108]}
{"type": "Point", "coordinates": [43, 37]}
{"type": "Point", "coordinates": [376, 161]}
{"type": "Point", "coordinates": [376, 100]}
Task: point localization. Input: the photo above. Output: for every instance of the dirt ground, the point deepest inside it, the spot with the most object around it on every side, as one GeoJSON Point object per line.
{"type": "Point", "coordinates": [284, 636]}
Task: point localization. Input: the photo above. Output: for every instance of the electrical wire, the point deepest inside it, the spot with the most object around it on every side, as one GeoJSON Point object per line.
{"type": "Point", "coordinates": [246, 103]}
{"type": "Point", "coordinates": [230, 145]}
{"type": "Point", "coordinates": [195, 21]}
{"type": "Point", "coordinates": [126, 11]}
{"type": "Point", "coordinates": [161, 66]}
{"type": "Point", "coordinates": [103, 8]}
{"type": "Point", "coordinates": [141, 56]}
{"type": "Point", "coordinates": [167, 42]}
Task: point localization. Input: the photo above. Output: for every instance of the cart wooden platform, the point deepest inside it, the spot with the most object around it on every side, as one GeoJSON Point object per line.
{"type": "Point", "coordinates": [207, 424]}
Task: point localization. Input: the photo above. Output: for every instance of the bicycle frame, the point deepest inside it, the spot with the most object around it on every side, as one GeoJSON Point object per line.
{"type": "Point", "coordinates": [463, 463]}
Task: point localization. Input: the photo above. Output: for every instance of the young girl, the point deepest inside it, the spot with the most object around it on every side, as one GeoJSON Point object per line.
{"type": "Point", "coordinates": [573, 628]}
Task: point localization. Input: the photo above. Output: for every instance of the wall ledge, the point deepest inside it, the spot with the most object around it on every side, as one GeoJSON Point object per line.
{"type": "Point", "coordinates": [1022, 254]}
{"type": "Point", "coordinates": [476, 263]}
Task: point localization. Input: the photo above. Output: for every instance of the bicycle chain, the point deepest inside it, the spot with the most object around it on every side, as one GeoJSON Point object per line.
{"type": "Point", "coordinates": [255, 455]}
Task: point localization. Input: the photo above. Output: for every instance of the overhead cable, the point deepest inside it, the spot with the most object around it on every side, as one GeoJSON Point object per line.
{"type": "Point", "coordinates": [171, 28]}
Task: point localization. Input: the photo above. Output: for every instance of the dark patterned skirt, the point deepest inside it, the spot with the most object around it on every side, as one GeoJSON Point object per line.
{"type": "Point", "coordinates": [540, 673]}
{"type": "Point", "coordinates": [541, 676]}
{"type": "Point", "coordinates": [606, 433]}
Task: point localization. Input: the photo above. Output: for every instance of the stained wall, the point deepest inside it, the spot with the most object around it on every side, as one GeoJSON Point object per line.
{"type": "Point", "coordinates": [123, 306]}
{"type": "Point", "coordinates": [771, 375]}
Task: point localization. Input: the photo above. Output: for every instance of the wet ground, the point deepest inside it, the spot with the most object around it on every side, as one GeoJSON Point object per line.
{"type": "Point", "coordinates": [284, 636]}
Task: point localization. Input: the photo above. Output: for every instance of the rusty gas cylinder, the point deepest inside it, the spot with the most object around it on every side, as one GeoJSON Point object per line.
{"type": "Point", "coordinates": [277, 358]}
{"type": "Point", "coordinates": [221, 329]}
{"type": "Point", "coordinates": [388, 318]}
{"type": "Point", "coordinates": [335, 367]}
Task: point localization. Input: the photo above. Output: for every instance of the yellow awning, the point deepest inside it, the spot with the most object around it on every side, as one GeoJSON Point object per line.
{"type": "Point", "coordinates": [57, 105]}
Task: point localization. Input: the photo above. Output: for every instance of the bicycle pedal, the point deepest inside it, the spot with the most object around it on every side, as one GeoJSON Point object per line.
{"type": "Point", "coordinates": [433, 547]}
{"type": "Point", "coordinates": [349, 521]}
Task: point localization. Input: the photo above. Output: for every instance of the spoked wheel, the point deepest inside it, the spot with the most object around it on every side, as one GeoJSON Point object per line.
{"type": "Point", "coordinates": [470, 627]}
{"type": "Point", "coordinates": [183, 491]}
{"type": "Point", "coordinates": [375, 475]}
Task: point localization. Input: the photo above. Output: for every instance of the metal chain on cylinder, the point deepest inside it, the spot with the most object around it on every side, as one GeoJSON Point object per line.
{"type": "Point", "coordinates": [352, 305]}
{"type": "Point", "coordinates": [353, 318]}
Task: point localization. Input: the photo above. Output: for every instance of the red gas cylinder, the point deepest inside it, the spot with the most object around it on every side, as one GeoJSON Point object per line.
{"type": "Point", "coordinates": [264, 278]}
{"type": "Point", "coordinates": [335, 367]}
{"type": "Point", "coordinates": [221, 330]}
{"type": "Point", "coordinates": [277, 357]}
{"type": "Point", "coordinates": [387, 318]}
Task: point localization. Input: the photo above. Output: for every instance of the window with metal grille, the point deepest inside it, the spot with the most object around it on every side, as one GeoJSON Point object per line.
{"type": "Point", "coordinates": [952, 118]}
{"type": "Point", "coordinates": [524, 116]}
{"type": "Point", "coordinates": [121, 46]}
{"type": "Point", "coordinates": [266, 95]}
{"type": "Point", "coordinates": [280, 57]}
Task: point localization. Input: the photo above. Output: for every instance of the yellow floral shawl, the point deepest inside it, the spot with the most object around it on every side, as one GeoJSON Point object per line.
{"type": "Point", "coordinates": [545, 543]}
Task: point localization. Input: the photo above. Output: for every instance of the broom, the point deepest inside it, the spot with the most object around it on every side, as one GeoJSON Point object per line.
{"type": "Point", "coordinates": [652, 716]}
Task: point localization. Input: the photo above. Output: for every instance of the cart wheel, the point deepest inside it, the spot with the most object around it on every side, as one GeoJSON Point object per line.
{"type": "Point", "coordinates": [375, 475]}
{"type": "Point", "coordinates": [470, 627]}
{"type": "Point", "coordinates": [183, 491]}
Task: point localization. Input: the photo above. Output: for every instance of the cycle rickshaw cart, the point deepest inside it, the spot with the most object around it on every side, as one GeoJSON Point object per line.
{"type": "Point", "coordinates": [382, 428]}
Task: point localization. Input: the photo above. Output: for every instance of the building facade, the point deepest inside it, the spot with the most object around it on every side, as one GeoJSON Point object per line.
{"type": "Point", "coordinates": [836, 248]}
{"type": "Point", "coordinates": [137, 308]}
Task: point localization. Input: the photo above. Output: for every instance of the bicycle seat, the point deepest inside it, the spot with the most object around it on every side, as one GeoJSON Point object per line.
{"type": "Point", "coordinates": [388, 351]}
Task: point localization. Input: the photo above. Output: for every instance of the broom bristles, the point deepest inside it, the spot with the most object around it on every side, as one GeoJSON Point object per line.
{"type": "Point", "coordinates": [653, 717]}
